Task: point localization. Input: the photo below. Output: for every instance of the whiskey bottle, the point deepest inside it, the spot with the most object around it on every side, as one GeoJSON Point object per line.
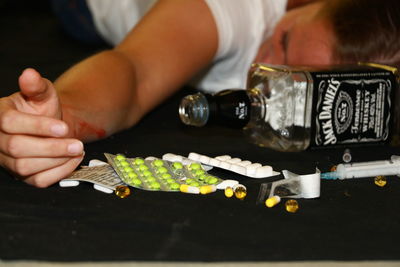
{"type": "Point", "coordinates": [294, 108]}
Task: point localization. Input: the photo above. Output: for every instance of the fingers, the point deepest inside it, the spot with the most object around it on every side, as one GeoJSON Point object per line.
{"type": "Point", "coordinates": [53, 175]}
{"type": "Point", "coordinates": [33, 86]}
{"type": "Point", "coordinates": [23, 146]}
{"type": "Point", "coordinates": [16, 122]}
{"type": "Point", "coordinates": [24, 167]}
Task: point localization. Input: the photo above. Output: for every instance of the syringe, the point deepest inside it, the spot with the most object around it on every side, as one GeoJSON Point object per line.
{"type": "Point", "coordinates": [365, 169]}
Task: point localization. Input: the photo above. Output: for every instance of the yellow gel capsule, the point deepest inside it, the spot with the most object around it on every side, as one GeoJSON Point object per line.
{"type": "Point", "coordinates": [185, 188]}
{"type": "Point", "coordinates": [228, 191]}
{"type": "Point", "coordinates": [240, 191]}
{"type": "Point", "coordinates": [206, 189]}
{"type": "Point", "coordinates": [122, 191]}
{"type": "Point", "coordinates": [272, 201]}
{"type": "Point", "coordinates": [291, 205]}
{"type": "Point", "coordinates": [380, 180]}
{"type": "Point", "coordinates": [333, 168]}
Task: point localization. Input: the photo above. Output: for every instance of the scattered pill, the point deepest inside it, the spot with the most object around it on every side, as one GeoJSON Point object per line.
{"type": "Point", "coordinates": [122, 191]}
{"type": "Point", "coordinates": [207, 189]}
{"type": "Point", "coordinates": [227, 183]}
{"type": "Point", "coordinates": [68, 183]}
{"type": "Point", "coordinates": [272, 201]}
{"type": "Point", "coordinates": [240, 191]}
{"type": "Point", "coordinates": [380, 180]}
{"type": "Point", "coordinates": [229, 191]}
{"type": "Point", "coordinates": [291, 205]}
{"type": "Point", "coordinates": [189, 189]}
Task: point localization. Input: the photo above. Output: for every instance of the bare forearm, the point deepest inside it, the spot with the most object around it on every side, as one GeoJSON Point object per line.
{"type": "Point", "coordinates": [98, 96]}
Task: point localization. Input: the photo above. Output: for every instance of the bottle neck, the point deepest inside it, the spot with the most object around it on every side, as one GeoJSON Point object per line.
{"type": "Point", "coordinates": [229, 107]}
{"type": "Point", "coordinates": [194, 110]}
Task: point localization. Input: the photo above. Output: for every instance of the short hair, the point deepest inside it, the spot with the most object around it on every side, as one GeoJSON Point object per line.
{"type": "Point", "coordinates": [365, 30]}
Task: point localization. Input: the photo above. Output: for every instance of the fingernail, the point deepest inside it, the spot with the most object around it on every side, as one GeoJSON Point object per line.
{"type": "Point", "coordinates": [75, 148]}
{"type": "Point", "coordinates": [58, 129]}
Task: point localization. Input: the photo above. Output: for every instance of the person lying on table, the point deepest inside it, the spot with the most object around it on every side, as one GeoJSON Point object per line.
{"type": "Point", "coordinates": [159, 46]}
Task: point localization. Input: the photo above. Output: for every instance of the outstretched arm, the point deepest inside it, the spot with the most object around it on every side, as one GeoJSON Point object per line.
{"type": "Point", "coordinates": [176, 39]}
{"type": "Point", "coordinates": [40, 125]}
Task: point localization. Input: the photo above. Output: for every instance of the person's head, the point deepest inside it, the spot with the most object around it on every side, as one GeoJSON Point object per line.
{"type": "Point", "coordinates": [337, 32]}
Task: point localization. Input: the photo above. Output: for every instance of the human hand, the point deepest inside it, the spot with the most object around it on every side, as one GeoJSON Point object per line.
{"type": "Point", "coordinates": [33, 138]}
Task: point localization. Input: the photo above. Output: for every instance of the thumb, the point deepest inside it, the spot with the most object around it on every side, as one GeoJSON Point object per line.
{"type": "Point", "coordinates": [33, 87]}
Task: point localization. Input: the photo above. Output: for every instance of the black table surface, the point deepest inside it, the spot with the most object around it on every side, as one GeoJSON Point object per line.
{"type": "Point", "coordinates": [352, 220]}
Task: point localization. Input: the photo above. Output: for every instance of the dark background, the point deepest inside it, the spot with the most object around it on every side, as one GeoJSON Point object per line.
{"type": "Point", "coordinates": [352, 220]}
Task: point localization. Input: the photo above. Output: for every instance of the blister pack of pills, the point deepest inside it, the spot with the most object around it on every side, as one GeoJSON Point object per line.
{"type": "Point", "coordinates": [103, 178]}
{"type": "Point", "coordinates": [161, 175]}
{"type": "Point", "coordinates": [237, 165]}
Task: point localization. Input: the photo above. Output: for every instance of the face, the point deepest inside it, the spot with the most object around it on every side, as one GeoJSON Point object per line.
{"type": "Point", "coordinates": [300, 38]}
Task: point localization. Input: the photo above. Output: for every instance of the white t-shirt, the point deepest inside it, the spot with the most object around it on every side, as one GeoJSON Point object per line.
{"type": "Point", "coordinates": [242, 27]}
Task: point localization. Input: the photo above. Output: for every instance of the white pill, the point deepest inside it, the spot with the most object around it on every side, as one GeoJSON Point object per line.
{"type": "Point", "coordinates": [186, 161]}
{"type": "Point", "coordinates": [244, 163]}
{"type": "Point", "coordinates": [194, 156]}
{"type": "Point", "coordinates": [214, 162]}
{"type": "Point", "coordinates": [225, 165]}
{"type": "Point", "coordinates": [238, 169]}
{"type": "Point", "coordinates": [103, 189]}
{"type": "Point", "coordinates": [171, 157]}
{"type": "Point", "coordinates": [251, 169]}
{"type": "Point", "coordinates": [150, 158]}
{"type": "Point", "coordinates": [234, 160]}
{"type": "Point", "coordinates": [224, 184]}
{"type": "Point", "coordinates": [223, 158]}
{"type": "Point", "coordinates": [68, 183]}
{"type": "Point", "coordinates": [264, 171]}
{"type": "Point", "coordinates": [204, 159]}
{"type": "Point", "coordinates": [96, 162]}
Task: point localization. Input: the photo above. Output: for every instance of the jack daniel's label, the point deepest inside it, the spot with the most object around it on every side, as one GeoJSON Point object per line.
{"type": "Point", "coordinates": [352, 107]}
